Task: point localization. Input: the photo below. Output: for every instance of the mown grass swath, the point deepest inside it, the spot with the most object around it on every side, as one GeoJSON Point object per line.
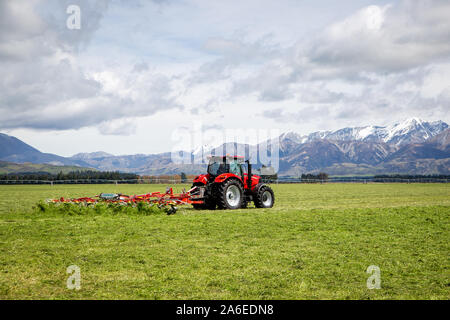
{"type": "Point", "coordinates": [140, 208]}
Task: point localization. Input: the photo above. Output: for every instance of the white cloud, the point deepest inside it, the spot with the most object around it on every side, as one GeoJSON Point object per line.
{"type": "Point", "coordinates": [119, 127]}
{"type": "Point", "coordinates": [380, 56]}
{"type": "Point", "coordinates": [44, 84]}
{"type": "Point", "coordinates": [385, 39]}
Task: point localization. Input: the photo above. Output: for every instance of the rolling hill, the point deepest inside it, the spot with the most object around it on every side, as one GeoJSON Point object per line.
{"type": "Point", "coordinates": [10, 167]}
{"type": "Point", "coordinates": [17, 151]}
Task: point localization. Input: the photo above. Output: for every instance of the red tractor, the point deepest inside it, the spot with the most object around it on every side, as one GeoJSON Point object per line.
{"type": "Point", "coordinates": [229, 184]}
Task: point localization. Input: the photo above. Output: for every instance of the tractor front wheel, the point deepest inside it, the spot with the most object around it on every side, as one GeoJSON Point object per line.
{"type": "Point", "coordinates": [230, 194]}
{"type": "Point", "coordinates": [264, 197]}
{"type": "Point", "coordinates": [209, 203]}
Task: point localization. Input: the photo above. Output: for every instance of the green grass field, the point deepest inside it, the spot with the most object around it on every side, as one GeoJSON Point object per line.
{"type": "Point", "coordinates": [316, 243]}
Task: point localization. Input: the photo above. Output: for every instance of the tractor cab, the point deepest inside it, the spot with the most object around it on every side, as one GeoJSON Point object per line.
{"type": "Point", "coordinates": [226, 164]}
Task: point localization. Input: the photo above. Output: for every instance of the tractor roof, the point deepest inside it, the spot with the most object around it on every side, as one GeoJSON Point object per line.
{"type": "Point", "coordinates": [226, 157]}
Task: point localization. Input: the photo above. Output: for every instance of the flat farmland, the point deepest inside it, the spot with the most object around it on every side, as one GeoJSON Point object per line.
{"type": "Point", "coordinates": [316, 243]}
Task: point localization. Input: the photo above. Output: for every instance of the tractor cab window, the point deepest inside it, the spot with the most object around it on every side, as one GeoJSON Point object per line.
{"type": "Point", "coordinates": [235, 168]}
{"type": "Point", "coordinates": [217, 168]}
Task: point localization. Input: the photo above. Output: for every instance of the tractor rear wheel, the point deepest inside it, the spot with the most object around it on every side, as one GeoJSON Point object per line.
{"type": "Point", "coordinates": [264, 197]}
{"type": "Point", "coordinates": [230, 194]}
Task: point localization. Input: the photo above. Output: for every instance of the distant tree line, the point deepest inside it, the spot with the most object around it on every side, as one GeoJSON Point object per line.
{"type": "Point", "coordinates": [71, 176]}
{"type": "Point", "coordinates": [91, 176]}
{"type": "Point", "coordinates": [320, 176]}
{"type": "Point", "coordinates": [167, 178]}
{"type": "Point", "coordinates": [381, 177]}
{"type": "Point", "coordinates": [268, 178]}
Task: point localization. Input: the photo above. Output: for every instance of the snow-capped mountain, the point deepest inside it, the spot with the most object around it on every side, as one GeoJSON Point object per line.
{"type": "Point", "coordinates": [289, 140]}
{"type": "Point", "coordinates": [203, 150]}
{"type": "Point", "coordinates": [410, 146]}
{"type": "Point", "coordinates": [442, 140]}
{"type": "Point", "coordinates": [91, 155]}
{"type": "Point", "coordinates": [293, 136]}
{"type": "Point", "coordinates": [412, 130]}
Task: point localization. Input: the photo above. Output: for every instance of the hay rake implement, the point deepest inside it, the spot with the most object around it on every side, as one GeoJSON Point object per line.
{"type": "Point", "coordinates": [168, 200]}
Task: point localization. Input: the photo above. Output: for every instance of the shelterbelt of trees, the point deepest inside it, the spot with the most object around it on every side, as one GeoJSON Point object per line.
{"type": "Point", "coordinates": [74, 175]}
{"type": "Point", "coordinates": [412, 176]}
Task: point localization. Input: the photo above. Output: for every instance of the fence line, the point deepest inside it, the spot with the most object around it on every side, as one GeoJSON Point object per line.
{"type": "Point", "coordinates": [189, 181]}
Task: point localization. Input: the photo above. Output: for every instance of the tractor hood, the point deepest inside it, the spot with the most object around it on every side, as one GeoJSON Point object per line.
{"type": "Point", "coordinates": [203, 178]}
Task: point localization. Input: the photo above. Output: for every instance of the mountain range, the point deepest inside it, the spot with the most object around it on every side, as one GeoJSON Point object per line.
{"type": "Point", "coordinates": [410, 131]}
{"type": "Point", "coordinates": [412, 146]}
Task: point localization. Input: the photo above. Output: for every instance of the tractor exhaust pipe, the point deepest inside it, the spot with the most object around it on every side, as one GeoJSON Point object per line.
{"type": "Point", "coordinates": [249, 175]}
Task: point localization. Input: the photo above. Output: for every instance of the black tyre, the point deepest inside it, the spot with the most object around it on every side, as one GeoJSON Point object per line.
{"type": "Point", "coordinates": [230, 194]}
{"type": "Point", "coordinates": [264, 197]}
{"type": "Point", "coordinates": [209, 203]}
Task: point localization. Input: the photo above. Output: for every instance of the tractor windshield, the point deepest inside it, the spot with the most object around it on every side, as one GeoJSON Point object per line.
{"type": "Point", "coordinates": [217, 168]}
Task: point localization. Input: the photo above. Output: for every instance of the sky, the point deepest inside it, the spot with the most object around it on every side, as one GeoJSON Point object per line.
{"type": "Point", "coordinates": [137, 75]}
